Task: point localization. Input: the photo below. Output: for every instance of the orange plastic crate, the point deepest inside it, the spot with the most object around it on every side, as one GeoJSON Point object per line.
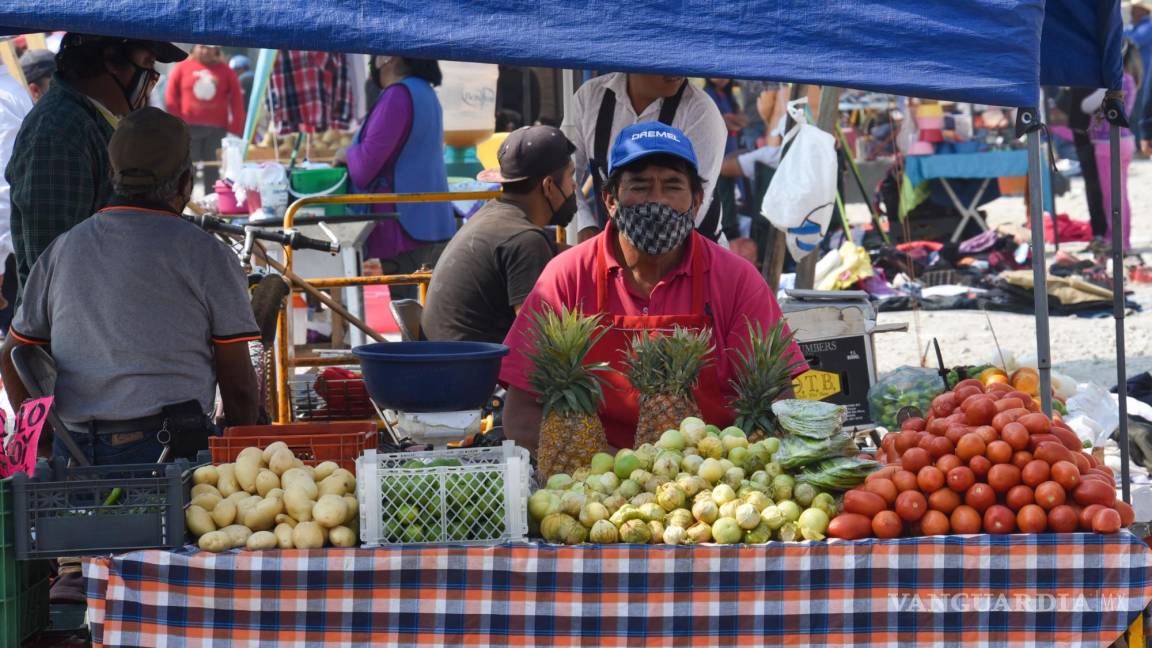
{"type": "Point", "coordinates": [312, 443]}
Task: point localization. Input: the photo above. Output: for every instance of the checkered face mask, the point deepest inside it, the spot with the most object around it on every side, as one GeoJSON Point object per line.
{"type": "Point", "coordinates": [654, 228]}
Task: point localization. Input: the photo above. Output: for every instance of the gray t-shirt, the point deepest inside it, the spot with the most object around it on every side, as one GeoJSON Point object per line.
{"type": "Point", "coordinates": [486, 271]}
{"type": "Point", "coordinates": [131, 302]}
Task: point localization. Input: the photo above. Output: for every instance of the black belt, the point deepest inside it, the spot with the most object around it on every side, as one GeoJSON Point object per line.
{"type": "Point", "coordinates": [144, 424]}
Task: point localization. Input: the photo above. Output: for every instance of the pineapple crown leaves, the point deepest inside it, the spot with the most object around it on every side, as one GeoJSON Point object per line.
{"type": "Point", "coordinates": [668, 364]}
{"type": "Point", "coordinates": [763, 372]}
{"type": "Point", "coordinates": [559, 342]}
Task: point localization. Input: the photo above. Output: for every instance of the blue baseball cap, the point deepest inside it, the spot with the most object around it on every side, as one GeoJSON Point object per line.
{"type": "Point", "coordinates": [650, 138]}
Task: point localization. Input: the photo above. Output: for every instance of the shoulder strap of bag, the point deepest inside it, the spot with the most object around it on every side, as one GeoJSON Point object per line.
{"type": "Point", "coordinates": [671, 104]}
{"type": "Point", "coordinates": [598, 165]}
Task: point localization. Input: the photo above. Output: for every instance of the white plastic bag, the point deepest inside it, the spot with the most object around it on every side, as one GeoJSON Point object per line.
{"type": "Point", "coordinates": [802, 195]}
{"type": "Point", "coordinates": [1093, 413]}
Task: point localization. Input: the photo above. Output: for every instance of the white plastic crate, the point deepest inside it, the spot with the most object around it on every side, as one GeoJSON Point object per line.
{"type": "Point", "coordinates": [484, 500]}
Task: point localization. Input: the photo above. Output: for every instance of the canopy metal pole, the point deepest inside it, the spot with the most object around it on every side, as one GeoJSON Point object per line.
{"type": "Point", "coordinates": [1118, 306]}
{"type": "Point", "coordinates": [1039, 266]}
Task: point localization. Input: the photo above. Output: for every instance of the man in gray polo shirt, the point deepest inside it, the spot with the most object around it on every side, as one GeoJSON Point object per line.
{"type": "Point", "coordinates": [142, 310]}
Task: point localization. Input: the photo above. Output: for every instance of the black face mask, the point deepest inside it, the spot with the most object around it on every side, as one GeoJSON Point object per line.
{"type": "Point", "coordinates": [137, 90]}
{"type": "Point", "coordinates": [563, 214]}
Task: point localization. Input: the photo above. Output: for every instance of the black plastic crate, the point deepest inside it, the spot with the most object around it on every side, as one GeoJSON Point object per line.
{"type": "Point", "coordinates": [71, 511]}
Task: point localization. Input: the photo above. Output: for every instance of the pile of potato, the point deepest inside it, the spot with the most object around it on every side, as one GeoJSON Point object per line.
{"type": "Point", "coordinates": [269, 499]}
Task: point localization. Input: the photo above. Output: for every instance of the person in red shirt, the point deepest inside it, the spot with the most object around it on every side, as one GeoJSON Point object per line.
{"type": "Point", "coordinates": [648, 270]}
{"type": "Point", "coordinates": [206, 94]}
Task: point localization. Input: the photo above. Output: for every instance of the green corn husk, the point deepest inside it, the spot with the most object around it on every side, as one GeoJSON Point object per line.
{"type": "Point", "coordinates": [797, 451]}
{"type": "Point", "coordinates": [838, 474]}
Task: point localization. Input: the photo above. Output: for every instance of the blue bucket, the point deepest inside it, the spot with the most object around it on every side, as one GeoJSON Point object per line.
{"type": "Point", "coordinates": [430, 376]}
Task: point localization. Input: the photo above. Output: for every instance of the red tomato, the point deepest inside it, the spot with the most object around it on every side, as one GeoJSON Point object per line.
{"type": "Point", "coordinates": [961, 478]}
{"type": "Point", "coordinates": [1063, 519]}
{"type": "Point", "coordinates": [911, 505]}
{"type": "Point", "coordinates": [999, 452]}
{"type": "Point", "coordinates": [936, 426]}
{"type": "Point", "coordinates": [944, 500]}
{"type": "Point", "coordinates": [935, 523]}
{"type": "Point", "coordinates": [945, 403]}
{"type": "Point", "coordinates": [971, 445]}
{"type": "Point", "coordinates": [1127, 514]}
{"type": "Point", "coordinates": [1049, 495]}
{"type": "Point", "coordinates": [1036, 423]}
{"type": "Point", "coordinates": [1086, 515]}
{"type": "Point", "coordinates": [930, 479]}
{"type": "Point", "coordinates": [965, 519]}
{"type": "Point", "coordinates": [1021, 458]}
{"type": "Point", "coordinates": [1018, 497]}
{"type": "Point", "coordinates": [980, 465]}
{"type": "Point", "coordinates": [981, 411]}
{"type": "Point", "coordinates": [1066, 474]}
{"type": "Point", "coordinates": [940, 446]}
{"type": "Point", "coordinates": [915, 459]}
{"type": "Point", "coordinates": [887, 524]}
{"type": "Point", "coordinates": [906, 440]}
{"type": "Point", "coordinates": [1035, 473]}
{"type": "Point", "coordinates": [980, 497]}
{"type": "Point", "coordinates": [1015, 435]}
{"type": "Point", "coordinates": [999, 519]}
{"type": "Point", "coordinates": [1002, 477]}
{"type": "Point", "coordinates": [948, 462]}
{"type": "Point", "coordinates": [913, 423]}
{"type": "Point", "coordinates": [882, 487]}
{"type": "Point", "coordinates": [1106, 521]}
{"type": "Point", "coordinates": [905, 480]}
{"type": "Point", "coordinates": [1032, 519]}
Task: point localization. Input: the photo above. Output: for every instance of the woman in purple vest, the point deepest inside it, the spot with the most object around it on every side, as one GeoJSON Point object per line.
{"type": "Point", "coordinates": [400, 149]}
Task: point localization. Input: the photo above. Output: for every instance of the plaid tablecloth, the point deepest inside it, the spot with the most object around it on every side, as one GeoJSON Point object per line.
{"type": "Point", "coordinates": [1041, 590]}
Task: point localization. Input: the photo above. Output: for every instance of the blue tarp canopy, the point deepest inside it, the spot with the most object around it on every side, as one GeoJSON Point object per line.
{"type": "Point", "coordinates": [981, 51]}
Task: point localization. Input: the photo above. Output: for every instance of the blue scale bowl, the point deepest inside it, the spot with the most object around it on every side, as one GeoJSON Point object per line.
{"type": "Point", "coordinates": [430, 376]}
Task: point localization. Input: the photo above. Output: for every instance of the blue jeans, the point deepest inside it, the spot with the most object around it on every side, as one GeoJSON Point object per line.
{"type": "Point", "coordinates": [100, 453]}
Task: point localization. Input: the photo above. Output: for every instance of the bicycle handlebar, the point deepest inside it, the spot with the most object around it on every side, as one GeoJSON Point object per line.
{"type": "Point", "coordinates": [294, 239]}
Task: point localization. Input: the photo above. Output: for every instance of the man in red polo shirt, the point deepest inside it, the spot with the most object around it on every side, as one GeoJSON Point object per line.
{"type": "Point", "coordinates": [647, 270]}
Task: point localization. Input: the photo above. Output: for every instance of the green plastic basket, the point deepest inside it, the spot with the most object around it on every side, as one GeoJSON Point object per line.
{"type": "Point", "coordinates": [23, 583]}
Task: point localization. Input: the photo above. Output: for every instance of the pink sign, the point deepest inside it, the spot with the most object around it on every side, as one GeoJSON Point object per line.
{"type": "Point", "coordinates": [19, 450]}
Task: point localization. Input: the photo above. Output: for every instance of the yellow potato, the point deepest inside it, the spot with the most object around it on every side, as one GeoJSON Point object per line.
{"type": "Point", "coordinates": [298, 504]}
{"type": "Point", "coordinates": [251, 452]}
{"type": "Point", "coordinates": [262, 540]}
{"type": "Point", "coordinates": [324, 469]}
{"type": "Point", "coordinates": [206, 501]}
{"type": "Point", "coordinates": [262, 516]}
{"type": "Point", "coordinates": [271, 450]}
{"type": "Point", "coordinates": [266, 480]}
{"type": "Point", "coordinates": [226, 483]}
{"type": "Point", "coordinates": [330, 511]}
{"type": "Point", "coordinates": [275, 492]}
{"type": "Point", "coordinates": [281, 460]}
{"type": "Point", "coordinates": [341, 536]}
{"type": "Point", "coordinates": [204, 489]}
{"type": "Point", "coordinates": [284, 518]}
{"type": "Point", "coordinates": [247, 467]}
{"type": "Point", "coordinates": [353, 507]}
{"type": "Point", "coordinates": [308, 535]}
{"type": "Point", "coordinates": [224, 513]}
{"type": "Point", "coordinates": [283, 533]}
{"type": "Point", "coordinates": [205, 475]}
{"type": "Point", "coordinates": [239, 534]}
{"type": "Point", "coordinates": [340, 482]}
{"type": "Point", "coordinates": [215, 541]}
{"type": "Point", "coordinates": [198, 521]}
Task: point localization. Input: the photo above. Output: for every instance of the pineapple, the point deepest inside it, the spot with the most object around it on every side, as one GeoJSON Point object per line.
{"type": "Point", "coordinates": [664, 369]}
{"type": "Point", "coordinates": [570, 391]}
{"type": "Point", "coordinates": [763, 373]}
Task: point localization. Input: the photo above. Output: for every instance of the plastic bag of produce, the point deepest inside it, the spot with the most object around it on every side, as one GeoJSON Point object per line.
{"type": "Point", "coordinates": [904, 387]}
{"type": "Point", "coordinates": [838, 474]}
{"type": "Point", "coordinates": [796, 451]}
{"type": "Point", "coordinates": [811, 419]}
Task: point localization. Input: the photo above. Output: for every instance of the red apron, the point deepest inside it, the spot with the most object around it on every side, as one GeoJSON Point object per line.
{"type": "Point", "coordinates": [620, 411]}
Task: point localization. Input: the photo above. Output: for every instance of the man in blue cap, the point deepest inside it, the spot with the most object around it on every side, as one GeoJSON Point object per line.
{"type": "Point", "coordinates": [648, 270]}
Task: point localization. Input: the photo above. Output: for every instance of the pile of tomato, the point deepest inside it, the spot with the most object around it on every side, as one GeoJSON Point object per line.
{"type": "Point", "coordinates": [984, 460]}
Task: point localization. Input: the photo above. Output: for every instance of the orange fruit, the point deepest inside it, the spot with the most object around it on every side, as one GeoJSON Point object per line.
{"type": "Point", "coordinates": [993, 375]}
{"type": "Point", "coordinates": [1026, 379]}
